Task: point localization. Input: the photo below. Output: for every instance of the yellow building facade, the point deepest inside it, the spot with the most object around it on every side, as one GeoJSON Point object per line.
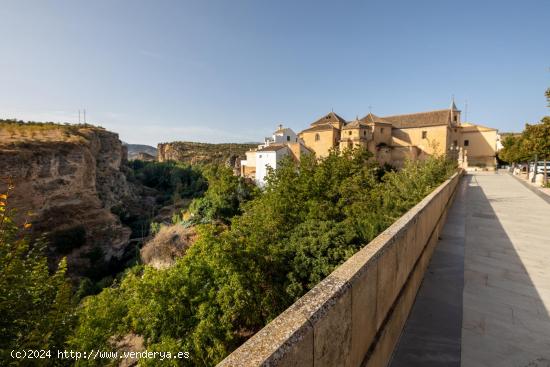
{"type": "Point", "coordinates": [397, 138]}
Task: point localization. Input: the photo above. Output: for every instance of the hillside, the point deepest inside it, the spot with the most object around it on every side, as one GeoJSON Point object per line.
{"type": "Point", "coordinates": [135, 150]}
{"type": "Point", "coordinates": [201, 153]}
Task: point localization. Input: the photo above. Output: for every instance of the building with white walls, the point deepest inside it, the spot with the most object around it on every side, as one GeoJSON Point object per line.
{"type": "Point", "coordinates": [284, 142]}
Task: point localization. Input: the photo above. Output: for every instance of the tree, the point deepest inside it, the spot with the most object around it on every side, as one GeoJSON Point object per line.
{"type": "Point", "coordinates": [513, 150]}
{"type": "Point", "coordinates": [537, 141]}
{"type": "Point", "coordinates": [36, 307]}
{"type": "Point", "coordinates": [235, 278]}
{"type": "Point", "coordinates": [224, 197]}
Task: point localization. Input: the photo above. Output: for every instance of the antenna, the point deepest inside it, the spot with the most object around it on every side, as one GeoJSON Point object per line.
{"type": "Point", "coordinates": [79, 116]}
{"type": "Point", "coordinates": [84, 115]}
{"type": "Point", "coordinates": [370, 109]}
{"type": "Point", "coordinates": [466, 111]}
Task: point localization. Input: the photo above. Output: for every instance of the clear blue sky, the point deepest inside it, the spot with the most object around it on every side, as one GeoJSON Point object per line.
{"type": "Point", "coordinates": [222, 71]}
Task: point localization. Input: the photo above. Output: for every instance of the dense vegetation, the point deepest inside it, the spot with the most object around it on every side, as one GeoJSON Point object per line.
{"type": "Point", "coordinates": [37, 307]}
{"type": "Point", "coordinates": [256, 253]}
{"type": "Point", "coordinates": [224, 198]}
{"type": "Point", "coordinates": [241, 274]}
{"type": "Point", "coordinates": [532, 144]}
{"type": "Point", "coordinates": [172, 180]}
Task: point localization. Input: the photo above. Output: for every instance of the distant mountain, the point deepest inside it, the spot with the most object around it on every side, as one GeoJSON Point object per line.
{"type": "Point", "coordinates": [135, 151]}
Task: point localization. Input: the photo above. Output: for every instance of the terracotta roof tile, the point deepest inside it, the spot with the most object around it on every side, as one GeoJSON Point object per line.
{"type": "Point", "coordinates": [355, 124]}
{"type": "Point", "coordinates": [372, 118]}
{"type": "Point", "coordinates": [421, 119]}
{"type": "Point", "coordinates": [329, 118]}
{"type": "Point", "coordinates": [320, 128]}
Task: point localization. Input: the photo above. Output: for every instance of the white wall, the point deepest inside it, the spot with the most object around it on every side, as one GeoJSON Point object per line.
{"type": "Point", "coordinates": [285, 136]}
{"type": "Point", "coordinates": [265, 159]}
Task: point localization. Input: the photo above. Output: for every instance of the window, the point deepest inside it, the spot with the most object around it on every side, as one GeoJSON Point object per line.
{"type": "Point", "coordinates": [466, 143]}
{"type": "Point", "coordinates": [381, 130]}
{"type": "Point", "coordinates": [424, 135]}
{"type": "Point", "coordinates": [456, 118]}
{"type": "Point", "coordinates": [317, 137]}
{"type": "Point", "coordinates": [287, 138]}
{"type": "Point", "coordinates": [455, 143]}
{"type": "Point", "coordinates": [260, 156]}
{"type": "Point", "coordinates": [349, 133]}
{"type": "Point", "coordinates": [365, 133]}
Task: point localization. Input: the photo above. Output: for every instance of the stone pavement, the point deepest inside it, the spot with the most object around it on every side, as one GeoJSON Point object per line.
{"type": "Point", "coordinates": [485, 299]}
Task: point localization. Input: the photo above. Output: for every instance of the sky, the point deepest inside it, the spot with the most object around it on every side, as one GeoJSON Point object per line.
{"type": "Point", "coordinates": [231, 71]}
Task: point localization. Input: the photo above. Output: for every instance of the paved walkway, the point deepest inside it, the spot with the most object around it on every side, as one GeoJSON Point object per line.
{"type": "Point", "coordinates": [485, 300]}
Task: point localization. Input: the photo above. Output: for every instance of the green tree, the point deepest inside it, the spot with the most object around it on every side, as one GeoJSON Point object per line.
{"type": "Point", "coordinates": [311, 216]}
{"type": "Point", "coordinates": [224, 197]}
{"type": "Point", "coordinates": [36, 307]}
{"type": "Point", "coordinates": [514, 150]}
{"type": "Point", "coordinates": [537, 141]}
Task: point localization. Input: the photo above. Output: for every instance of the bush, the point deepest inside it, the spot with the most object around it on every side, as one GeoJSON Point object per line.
{"type": "Point", "coordinates": [36, 306]}
{"type": "Point", "coordinates": [173, 180]}
{"type": "Point", "coordinates": [234, 279]}
{"type": "Point", "coordinates": [224, 197]}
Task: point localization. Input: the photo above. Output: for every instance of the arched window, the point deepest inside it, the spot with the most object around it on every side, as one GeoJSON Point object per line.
{"type": "Point", "coordinates": [317, 137]}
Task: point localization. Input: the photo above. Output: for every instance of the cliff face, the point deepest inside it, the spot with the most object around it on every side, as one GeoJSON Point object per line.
{"type": "Point", "coordinates": [68, 178]}
{"type": "Point", "coordinates": [197, 153]}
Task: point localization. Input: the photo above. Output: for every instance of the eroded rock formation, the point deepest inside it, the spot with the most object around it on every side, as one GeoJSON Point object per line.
{"type": "Point", "coordinates": [67, 179]}
{"type": "Point", "coordinates": [197, 153]}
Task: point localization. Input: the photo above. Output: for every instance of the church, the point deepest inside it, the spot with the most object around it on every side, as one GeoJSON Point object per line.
{"type": "Point", "coordinates": [391, 139]}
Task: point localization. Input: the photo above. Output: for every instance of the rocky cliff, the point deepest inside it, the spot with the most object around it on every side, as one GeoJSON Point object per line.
{"type": "Point", "coordinates": [198, 153]}
{"type": "Point", "coordinates": [67, 178]}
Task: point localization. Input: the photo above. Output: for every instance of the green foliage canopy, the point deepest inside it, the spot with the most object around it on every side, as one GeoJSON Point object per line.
{"type": "Point", "coordinates": [237, 277]}
{"type": "Point", "coordinates": [224, 197]}
{"type": "Point", "coordinates": [36, 307]}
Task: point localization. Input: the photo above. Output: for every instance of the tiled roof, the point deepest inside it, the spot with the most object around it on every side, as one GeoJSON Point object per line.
{"type": "Point", "coordinates": [320, 128]}
{"type": "Point", "coordinates": [355, 125]}
{"type": "Point", "coordinates": [466, 126]}
{"type": "Point", "coordinates": [329, 118]}
{"type": "Point", "coordinates": [372, 118]}
{"type": "Point", "coordinates": [421, 119]}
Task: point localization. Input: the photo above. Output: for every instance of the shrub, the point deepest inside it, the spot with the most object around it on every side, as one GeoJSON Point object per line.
{"type": "Point", "coordinates": [234, 279]}
{"type": "Point", "coordinates": [36, 306]}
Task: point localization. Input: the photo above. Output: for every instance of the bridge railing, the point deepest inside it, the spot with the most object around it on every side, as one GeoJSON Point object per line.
{"type": "Point", "coordinates": [355, 316]}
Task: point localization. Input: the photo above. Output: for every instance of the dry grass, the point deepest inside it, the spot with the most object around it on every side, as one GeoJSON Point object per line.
{"type": "Point", "coordinates": [13, 131]}
{"type": "Point", "coordinates": [170, 243]}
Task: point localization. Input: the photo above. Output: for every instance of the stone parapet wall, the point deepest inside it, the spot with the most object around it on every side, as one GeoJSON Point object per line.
{"type": "Point", "coordinates": [355, 316]}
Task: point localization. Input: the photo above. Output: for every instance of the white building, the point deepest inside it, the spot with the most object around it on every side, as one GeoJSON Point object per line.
{"type": "Point", "coordinates": [284, 142]}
